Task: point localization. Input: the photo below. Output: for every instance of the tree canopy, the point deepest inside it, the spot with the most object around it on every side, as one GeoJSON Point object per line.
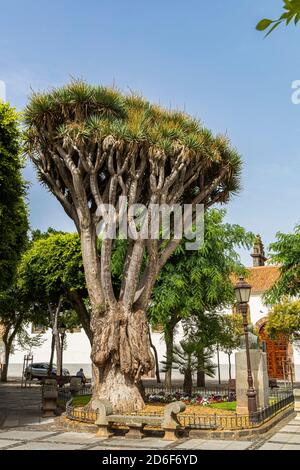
{"type": "Point", "coordinates": [52, 270]}
{"type": "Point", "coordinates": [285, 252]}
{"type": "Point", "coordinates": [52, 266]}
{"type": "Point", "coordinates": [13, 211]}
{"type": "Point", "coordinates": [284, 318]}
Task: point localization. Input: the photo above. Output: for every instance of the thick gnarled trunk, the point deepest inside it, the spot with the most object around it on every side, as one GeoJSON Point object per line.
{"type": "Point", "coordinates": [121, 352]}
{"type": "Point", "coordinates": [120, 389]}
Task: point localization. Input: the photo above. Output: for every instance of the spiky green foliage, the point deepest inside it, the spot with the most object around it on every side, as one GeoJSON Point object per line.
{"type": "Point", "coordinates": [185, 356]}
{"type": "Point", "coordinates": [188, 356]}
{"type": "Point", "coordinates": [285, 252]}
{"type": "Point", "coordinates": [82, 115]}
{"type": "Point", "coordinates": [291, 13]}
{"type": "Point", "coordinates": [13, 211]}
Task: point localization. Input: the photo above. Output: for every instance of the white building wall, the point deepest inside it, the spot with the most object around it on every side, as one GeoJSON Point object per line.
{"type": "Point", "coordinates": [78, 346]}
{"type": "Point", "coordinates": [77, 349]}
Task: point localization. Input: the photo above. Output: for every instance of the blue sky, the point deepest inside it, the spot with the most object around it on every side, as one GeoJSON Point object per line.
{"type": "Point", "coordinates": [198, 55]}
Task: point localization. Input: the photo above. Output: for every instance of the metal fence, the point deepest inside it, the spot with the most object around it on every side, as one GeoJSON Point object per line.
{"type": "Point", "coordinates": [282, 400]}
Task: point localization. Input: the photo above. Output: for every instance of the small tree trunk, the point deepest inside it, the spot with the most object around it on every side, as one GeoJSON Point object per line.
{"type": "Point", "coordinates": [4, 370]}
{"type": "Point", "coordinates": [54, 316]}
{"type": "Point", "coordinates": [188, 382]}
{"type": "Point", "coordinates": [51, 356]}
{"type": "Point", "coordinates": [229, 366]}
{"type": "Point", "coordinates": [62, 341]}
{"type": "Point", "coordinates": [218, 362]}
{"type": "Point", "coordinates": [58, 354]}
{"type": "Point", "coordinates": [169, 340]}
{"type": "Point", "coordinates": [200, 371]}
{"type": "Point", "coordinates": [200, 378]}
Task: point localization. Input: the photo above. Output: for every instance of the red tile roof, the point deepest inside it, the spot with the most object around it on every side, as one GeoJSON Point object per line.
{"type": "Point", "coordinates": [261, 278]}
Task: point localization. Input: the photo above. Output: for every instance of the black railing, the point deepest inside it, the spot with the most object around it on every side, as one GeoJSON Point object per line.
{"type": "Point", "coordinates": [233, 421]}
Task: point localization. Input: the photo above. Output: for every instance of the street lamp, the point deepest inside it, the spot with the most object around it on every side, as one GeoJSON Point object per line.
{"type": "Point", "coordinates": [242, 293]}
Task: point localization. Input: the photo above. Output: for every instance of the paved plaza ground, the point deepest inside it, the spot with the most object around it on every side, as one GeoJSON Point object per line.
{"type": "Point", "coordinates": [23, 428]}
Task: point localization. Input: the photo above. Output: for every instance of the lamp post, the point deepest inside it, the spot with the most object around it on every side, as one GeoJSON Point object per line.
{"type": "Point", "coordinates": [242, 293]}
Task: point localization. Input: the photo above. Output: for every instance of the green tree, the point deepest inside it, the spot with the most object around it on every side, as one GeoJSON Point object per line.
{"type": "Point", "coordinates": [291, 12]}
{"type": "Point", "coordinates": [195, 285]}
{"type": "Point", "coordinates": [51, 274]}
{"type": "Point", "coordinates": [15, 314]}
{"type": "Point", "coordinates": [13, 211]}
{"type": "Point", "coordinates": [285, 253]}
{"type": "Point", "coordinates": [90, 146]}
{"type": "Point", "coordinates": [284, 318]}
{"type": "Point", "coordinates": [204, 329]}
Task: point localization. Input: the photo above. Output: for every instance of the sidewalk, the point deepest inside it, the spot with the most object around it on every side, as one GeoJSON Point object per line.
{"type": "Point", "coordinates": [47, 438]}
{"type": "Point", "coordinates": [23, 428]}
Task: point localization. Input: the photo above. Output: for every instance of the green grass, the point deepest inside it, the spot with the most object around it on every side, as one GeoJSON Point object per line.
{"type": "Point", "coordinates": [81, 400]}
{"type": "Point", "coordinates": [226, 405]}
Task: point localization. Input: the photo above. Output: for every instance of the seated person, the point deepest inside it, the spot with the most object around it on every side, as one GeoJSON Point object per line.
{"type": "Point", "coordinates": [80, 374]}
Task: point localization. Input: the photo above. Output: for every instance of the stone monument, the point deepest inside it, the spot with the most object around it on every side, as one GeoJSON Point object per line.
{"type": "Point", "coordinates": [258, 360]}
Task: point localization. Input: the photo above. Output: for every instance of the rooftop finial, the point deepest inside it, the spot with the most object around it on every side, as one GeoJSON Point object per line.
{"type": "Point", "coordinates": [258, 254]}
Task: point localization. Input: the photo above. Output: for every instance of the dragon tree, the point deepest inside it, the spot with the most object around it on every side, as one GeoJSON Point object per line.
{"type": "Point", "coordinates": [91, 145]}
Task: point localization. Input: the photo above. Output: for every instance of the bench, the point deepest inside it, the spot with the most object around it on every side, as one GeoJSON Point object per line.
{"type": "Point", "coordinates": [168, 422]}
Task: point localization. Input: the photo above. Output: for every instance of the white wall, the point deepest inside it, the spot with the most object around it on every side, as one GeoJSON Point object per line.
{"type": "Point", "coordinates": [77, 351]}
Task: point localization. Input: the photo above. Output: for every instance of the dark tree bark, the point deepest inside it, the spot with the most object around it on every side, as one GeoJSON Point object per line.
{"type": "Point", "coordinates": [188, 382]}
{"type": "Point", "coordinates": [200, 372]}
{"type": "Point", "coordinates": [200, 378]}
{"type": "Point", "coordinates": [54, 315]}
{"type": "Point", "coordinates": [8, 339]}
{"type": "Point", "coordinates": [4, 370]}
{"type": "Point", "coordinates": [229, 366]}
{"type": "Point", "coordinates": [51, 355]}
{"type": "Point", "coordinates": [218, 365]}
{"type": "Point", "coordinates": [169, 340]}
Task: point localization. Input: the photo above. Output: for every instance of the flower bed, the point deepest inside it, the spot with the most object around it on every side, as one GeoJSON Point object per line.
{"type": "Point", "coordinates": [194, 399]}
